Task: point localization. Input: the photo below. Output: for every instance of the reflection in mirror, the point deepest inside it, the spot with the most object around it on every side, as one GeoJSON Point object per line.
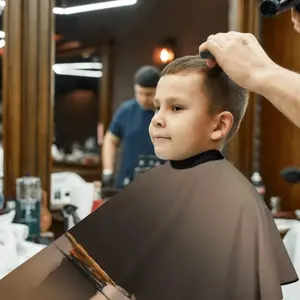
{"type": "Point", "coordinates": [76, 108]}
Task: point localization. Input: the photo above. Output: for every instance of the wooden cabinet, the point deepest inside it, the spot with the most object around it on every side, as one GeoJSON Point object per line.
{"type": "Point", "coordinates": [88, 173]}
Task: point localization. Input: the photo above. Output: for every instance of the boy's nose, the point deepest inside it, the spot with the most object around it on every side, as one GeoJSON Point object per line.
{"type": "Point", "coordinates": [158, 121]}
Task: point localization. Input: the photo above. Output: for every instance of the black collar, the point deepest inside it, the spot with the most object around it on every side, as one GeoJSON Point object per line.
{"type": "Point", "coordinates": [196, 160]}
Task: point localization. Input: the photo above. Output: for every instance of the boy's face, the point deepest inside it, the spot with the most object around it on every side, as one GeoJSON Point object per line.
{"type": "Point", "coordinates": [182, 125]}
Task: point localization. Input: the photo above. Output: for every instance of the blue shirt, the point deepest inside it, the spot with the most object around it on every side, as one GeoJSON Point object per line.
{"type": "Point", "coordinates": [131, 124]}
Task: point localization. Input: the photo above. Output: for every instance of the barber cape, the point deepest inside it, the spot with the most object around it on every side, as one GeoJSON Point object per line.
{"type": "Point", "coordinates": [192, 229]}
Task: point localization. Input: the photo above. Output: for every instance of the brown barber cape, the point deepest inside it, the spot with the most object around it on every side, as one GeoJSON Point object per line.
{"type": "Point", "coordinates": [196, 230]}
{"type": "Point", "coordinates": [189, 230]}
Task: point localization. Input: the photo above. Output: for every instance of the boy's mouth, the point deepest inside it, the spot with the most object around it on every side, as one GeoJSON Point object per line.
{"type": "Point", "coordinates": [160, 137]}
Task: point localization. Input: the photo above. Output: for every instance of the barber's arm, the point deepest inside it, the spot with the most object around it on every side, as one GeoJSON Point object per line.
{"type": "Point", "coordinates": [246, 63]}
{"type": "Point", "coordinates": [111, 142]}
{"type": "Point", "coordinates": [109, 150]}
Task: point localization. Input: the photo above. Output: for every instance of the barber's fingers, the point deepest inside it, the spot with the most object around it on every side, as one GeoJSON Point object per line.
{"type": "Point", "coordinates": [220, 39]}
{"type": "Point", "coordinates": [213, 48]}
{"type": "Point", "coordinates": [213, 44]}
{"type": "Point", "coordinates": [217, 42]}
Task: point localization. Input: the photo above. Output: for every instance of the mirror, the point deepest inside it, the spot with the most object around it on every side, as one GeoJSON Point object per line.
{"type": "Point", "coordinates": [81, 100]}
{"type": "Point", "coordinates": [77, 109]}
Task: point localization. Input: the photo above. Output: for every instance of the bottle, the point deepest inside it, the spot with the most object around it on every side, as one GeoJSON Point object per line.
{"type": "Point", "coordinates": [275, 204]}
{"type": "Point", "coordinates": [257, 181]}
{"type": "Point", "coordinates": [97, 201]}
{"type": "Point", "coordinates": [28, 205]}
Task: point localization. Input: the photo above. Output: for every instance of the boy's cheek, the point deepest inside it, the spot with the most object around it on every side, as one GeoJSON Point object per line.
{"type": "Point", "coordinates": [150, 131]}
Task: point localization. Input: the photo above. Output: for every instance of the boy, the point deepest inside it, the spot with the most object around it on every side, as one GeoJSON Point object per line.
{"type": "Point", "coordinates": [194, 228]}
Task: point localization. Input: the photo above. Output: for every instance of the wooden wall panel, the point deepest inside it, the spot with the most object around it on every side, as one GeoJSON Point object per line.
{"type": "Point", "coordinates": [244, 17]}
{"type": "Point", "coordinates": [11, 90]}
{"type": "Point", "coordinates": [28, 91]}
{"type": "Point", "coordinates": [279, 137]}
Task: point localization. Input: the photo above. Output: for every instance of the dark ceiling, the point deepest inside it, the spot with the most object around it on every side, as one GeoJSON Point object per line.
{"type": "Point", "coordinates": [95, 27]}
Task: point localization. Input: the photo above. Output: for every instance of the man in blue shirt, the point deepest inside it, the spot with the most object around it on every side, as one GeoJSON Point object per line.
{"type": "Point", "coordinates": [130, 125]}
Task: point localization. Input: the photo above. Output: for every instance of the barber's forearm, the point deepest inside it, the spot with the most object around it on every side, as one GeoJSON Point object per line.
{"type": "Point", "coordinates": [282, 88]}
{"type": "Point", "coordinates": [109, 151]}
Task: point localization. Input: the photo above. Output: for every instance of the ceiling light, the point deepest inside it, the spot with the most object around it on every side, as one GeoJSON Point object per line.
{"type": "Point", "coordinates": [79, 66]}
{"type": "Point", "coordinates": [92, 7]}
{"type": "Point", "coordinates": [166, 55]}
{"type": "Point", "coordinates": [80, 73]}
{"type": "Point", "coordinates": [81, 69]}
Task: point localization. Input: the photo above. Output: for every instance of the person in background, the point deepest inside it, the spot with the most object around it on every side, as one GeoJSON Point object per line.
{"type": "Point", "coordinates": [130, 127]}
{"type": "Point", "coordinates": [244, 60]}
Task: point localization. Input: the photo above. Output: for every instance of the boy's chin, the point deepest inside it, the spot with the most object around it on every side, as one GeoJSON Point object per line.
{"type": "Point", "coordinates": [163, 155]}
{"type": "Point", "coordinates": [169, 155]}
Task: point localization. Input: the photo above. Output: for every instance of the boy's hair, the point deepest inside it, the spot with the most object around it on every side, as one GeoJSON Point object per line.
{"type": "Point", "coordinates": [223, 93]}
{"type": "Point", "coordinates": [147, 76]}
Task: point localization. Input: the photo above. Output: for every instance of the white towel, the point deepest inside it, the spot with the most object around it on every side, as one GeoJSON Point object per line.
{"type": "Point", "coordinates": [292, 244]}
{"type": "Point", "coordinates": [14, 249]}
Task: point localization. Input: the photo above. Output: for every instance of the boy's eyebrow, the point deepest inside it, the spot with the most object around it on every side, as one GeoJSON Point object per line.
{"type": "Point", "coordinates": [169, 100]}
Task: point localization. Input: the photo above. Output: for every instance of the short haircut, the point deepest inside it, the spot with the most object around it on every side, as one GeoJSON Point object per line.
{"type": "Point", "coordinates": [223, 93]}
{"type": "Point", "coordinates": [147, 76]}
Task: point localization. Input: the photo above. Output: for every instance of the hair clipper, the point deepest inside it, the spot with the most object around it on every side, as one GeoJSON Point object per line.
{"type": "Point", "coordinates": [272, 8]}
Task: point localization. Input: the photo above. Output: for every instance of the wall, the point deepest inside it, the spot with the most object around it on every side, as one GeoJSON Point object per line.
{"type": "Point", "coordinates": [138, 28]}
{"type": "Point", "coordinates": [76, 118]}
{"type": "Point", "coordinates": [280, 139]}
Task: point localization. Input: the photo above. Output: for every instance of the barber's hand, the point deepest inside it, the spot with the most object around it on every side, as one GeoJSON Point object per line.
{"type": "Point", "coordinates": [240, 56]}
{"type": "Point", "coordinates": [296, 19]}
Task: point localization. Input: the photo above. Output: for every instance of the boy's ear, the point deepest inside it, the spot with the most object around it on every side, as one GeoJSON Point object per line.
{"type": "Point", "coordinates": [223, 124]}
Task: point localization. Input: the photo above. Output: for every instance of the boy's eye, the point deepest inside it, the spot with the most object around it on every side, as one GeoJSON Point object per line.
{"type": "Point", "coordinates": [156, 108]}
{"type": "Point", "coordinates": [176, 108]}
